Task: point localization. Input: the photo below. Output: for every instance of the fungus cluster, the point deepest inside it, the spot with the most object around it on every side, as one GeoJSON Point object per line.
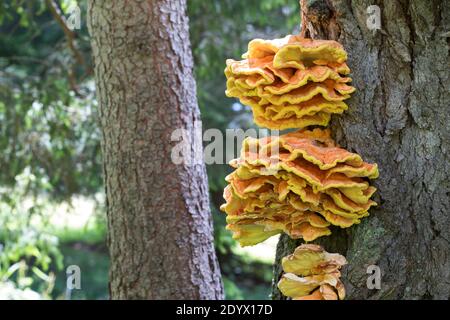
{"type": "Point", "coordinates": [311, 273]}
{"type": "Point", "coordinates": [299, 183]}
{"type": "Point", "coordinates": [291, 82]}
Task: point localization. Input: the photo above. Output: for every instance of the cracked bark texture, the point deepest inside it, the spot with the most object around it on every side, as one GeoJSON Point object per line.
{"type": "Point", "coordinates": [398, 118]}
{"type": "Point", "coordinates": [160, 229]}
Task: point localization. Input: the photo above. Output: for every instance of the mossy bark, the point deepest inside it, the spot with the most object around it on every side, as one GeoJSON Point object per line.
{"type": "Point", "coordinates": [160, 229]}
{"type": "Point", "coordinates": [398, 118]}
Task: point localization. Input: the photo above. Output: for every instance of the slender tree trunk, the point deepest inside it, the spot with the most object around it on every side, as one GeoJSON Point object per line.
{"type": "Point", "coordinates": [398, 118]}
{"type": "Point", "coordinates": [160, 229]}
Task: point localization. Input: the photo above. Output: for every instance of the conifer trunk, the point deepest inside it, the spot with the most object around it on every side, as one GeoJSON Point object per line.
{"type": "Point", "coordinates": [160, 229]}
{"type": "Point", "coordinates": [398, 118]}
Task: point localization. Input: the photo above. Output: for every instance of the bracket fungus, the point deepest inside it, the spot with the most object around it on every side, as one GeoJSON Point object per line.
{"type": "Point", "coordinates": [292, 82]}
{"type": "Point", "coordinates": [311, 273]}
{"type": "Point", "coordinates": [299, 183]}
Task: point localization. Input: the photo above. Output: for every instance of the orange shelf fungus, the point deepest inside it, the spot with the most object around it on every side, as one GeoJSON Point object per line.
{"type": "Point", "coordinates": [291, 82]}
{"type": "Point", "coordinates": [299, 183]}
{"type": "Point", "coordinates": [311, 273]}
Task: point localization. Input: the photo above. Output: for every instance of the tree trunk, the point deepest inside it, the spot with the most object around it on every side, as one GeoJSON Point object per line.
{"type": "Point", "coordinates": [160, 229]}
{"type": "Point", "coordinates": [398, 118]}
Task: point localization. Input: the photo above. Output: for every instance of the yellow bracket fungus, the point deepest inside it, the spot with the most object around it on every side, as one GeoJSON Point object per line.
{"type": "Point", "coordinates": [291, 82]}
{"type": "Point", "coordinates": [311, 273]}
{"type": "Point", "coordinates": [302, 182]}
{"type": "Point", "coordinates": [299, 183]}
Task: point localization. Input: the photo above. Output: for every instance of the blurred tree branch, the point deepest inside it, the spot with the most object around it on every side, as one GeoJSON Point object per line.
{"type": "Point", "coordinates": [70, 37]}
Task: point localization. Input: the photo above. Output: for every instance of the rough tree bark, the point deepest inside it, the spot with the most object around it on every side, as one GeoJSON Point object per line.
{"type": "Point", "coordinates": [160, 229]}
{"type": "Point", "coordinates": [398, 118]}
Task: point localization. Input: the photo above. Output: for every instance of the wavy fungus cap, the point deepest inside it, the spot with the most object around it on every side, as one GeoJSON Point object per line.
{"type": "Point", "coordinates": [311, 273]}
{"type": "Point", "coordinates": [291, 82]}
{"type": "Point", "coordinates": [311, 259]}
{"type": "Point", "coordinates": [297, 49]}
{"type": "Point", "coordinates": [299, 183]}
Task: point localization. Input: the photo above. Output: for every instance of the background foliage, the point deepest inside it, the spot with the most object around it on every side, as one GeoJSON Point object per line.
{"type": "Point", "coordinates": [50, 158]}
